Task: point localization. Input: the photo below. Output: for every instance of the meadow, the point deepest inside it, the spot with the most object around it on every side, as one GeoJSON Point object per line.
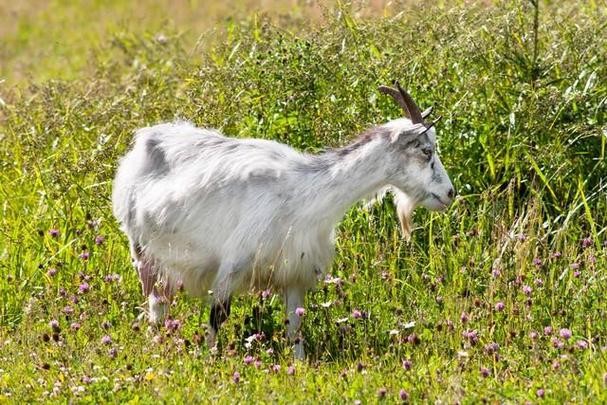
{"type": "Point", "coordinates": [501, 299]}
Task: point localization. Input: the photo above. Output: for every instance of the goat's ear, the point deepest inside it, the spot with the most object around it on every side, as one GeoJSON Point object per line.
{"type": "Point", "coordinates": [408, 134]}
{"type": "Point", "coordinates": [426, 113]}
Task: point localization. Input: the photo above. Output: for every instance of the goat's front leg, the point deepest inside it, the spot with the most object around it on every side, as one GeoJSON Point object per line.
{"type": "Point", "coordinates": [294, 299]}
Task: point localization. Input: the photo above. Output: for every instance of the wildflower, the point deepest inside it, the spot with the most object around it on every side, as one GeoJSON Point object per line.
{"type": "Point", "coordinates": [471, 336]}
{"type": "Point", "coordinates": [500, 306]}
{"type": "Point", "coordinates": [407, 364]}
{"type": "Point", "coordinates": [291, 370]}
{"type": "Point", "coordinates": [110, 278]}
{"type": "Point", "coordinates": [492, 348]}
{"type": "Point", "coordinates": [381, 393]}
{"type": "Point", "coordinates": [548, 330]}
{"type": "Point", "coordinates": [464, 317]}
{"type": "Point", "coordinates": [485, 372]}
{"type": "Point", "coordinates": [51, 272]}
{"type": "Point", "coordinates": [496, 272]}
{"type": "Point", "coordinates": [299, 311]}
{"type": "Point", "coordinates": [582, 344]}
{"type": "Point", "coordinates": [586, 242]}
{"type": "Point", "coordinates": [248, 359]}
{"type": "Point", "coordinates": [172, 324]}
{"type": "Point", "coordinates": [557, 255]}
{"type": "Point", "coordinates": [540, 393]}
{"type": "Point", "coordinates": [533, 335]}
{"type": "Point", "coordinates": [557, 343]}
{"type": "Point", "coordinates": [537, 262]}
{"type": "Point", "coordinates": [84, 288]}
{"type": "Point", "coordinates": [556, 365]}
{"type": "Point", "coordinates": [75, 326]}
{"type": "Point", "coordinates": [54, 233]}
{"type": "Point", "coordinates": [565, 333]}
{"type": "Point", "coordinates": [574, 266]}
{"type": "Point", "coordinates": [276, 368]}
{"type": "Point", "coordinates": [113, 352]}
{"type": "Point", "coordinates": [236, 377]}
{"type": "Point", "coordinates": [86, 379]}
{"type": "Point", "coordinates": [413, 339]}
{"type": "Point", "coordinates": [99, 239]}
{"type": "Point", "coordinates": [84, 255]}
{"type": "Point", "coordinates": [527, 290]}
{"type": "Point", "coordinates": [257, 363]}
{"type": "Point", "coordinates": [522, 237]}
{"type": "Point", "coordinates": [265, 294]}
{"type": "Point", "coordinates": [539, 282]}
{"type": "Point", "coordinates": [356, 314]}
{"type": "Point", "coordinates": [404, 395]}
{"type": "Point", "coordinates": [576, 274]}
{"type": "Point", "coordinates": [329, 279]}
{"type": "Point", "coordinates": [450, 325]}
{"type": "Point", "coordinates": [54, 324]}
{"type": "Point", "coordinates": [106, 340]}
{"type": "Point", "coordinates": [68, 310]}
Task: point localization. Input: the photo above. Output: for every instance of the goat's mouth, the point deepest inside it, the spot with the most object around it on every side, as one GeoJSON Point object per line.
{"type": "Point", "coordinates": [443, 205]}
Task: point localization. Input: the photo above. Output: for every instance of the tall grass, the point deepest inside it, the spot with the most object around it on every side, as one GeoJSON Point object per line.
{"type": "Point", "coordinates": [480, 303]}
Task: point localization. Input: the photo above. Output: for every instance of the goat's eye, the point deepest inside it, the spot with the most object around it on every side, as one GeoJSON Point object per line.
{"type": "Point", "coordinates": [427, 152]}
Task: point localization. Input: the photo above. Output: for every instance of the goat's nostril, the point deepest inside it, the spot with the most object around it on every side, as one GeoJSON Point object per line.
{"type": "Point", "coordinates": [451, 193]}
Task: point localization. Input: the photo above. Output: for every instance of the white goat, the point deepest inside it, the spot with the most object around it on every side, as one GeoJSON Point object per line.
{"type": "Point", "coordinates": [218, 215]}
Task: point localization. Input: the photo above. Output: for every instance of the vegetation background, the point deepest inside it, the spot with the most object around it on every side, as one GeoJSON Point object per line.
{"type": "Point", "coordinates": [501, 299]}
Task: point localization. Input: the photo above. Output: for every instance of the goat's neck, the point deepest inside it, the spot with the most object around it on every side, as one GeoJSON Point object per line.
{"type": "Point", "coordinates": [348, 178]}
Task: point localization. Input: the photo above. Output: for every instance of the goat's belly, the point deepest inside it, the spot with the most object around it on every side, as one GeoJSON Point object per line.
{"type": "Point", "coordinates": [183, 264]}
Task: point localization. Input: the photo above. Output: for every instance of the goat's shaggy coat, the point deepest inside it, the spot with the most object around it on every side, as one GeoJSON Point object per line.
{"type": "Point", "coordinates": [220, 214]}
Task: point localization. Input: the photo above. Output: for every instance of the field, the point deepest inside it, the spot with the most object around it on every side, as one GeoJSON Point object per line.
{"type": "Point", "coordinates": [500, 299]}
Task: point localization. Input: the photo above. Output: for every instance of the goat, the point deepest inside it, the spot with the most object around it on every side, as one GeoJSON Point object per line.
{"type": "Point", "coordinates": [218, 215]}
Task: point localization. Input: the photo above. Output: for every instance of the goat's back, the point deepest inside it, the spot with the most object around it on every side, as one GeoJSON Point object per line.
{"type": "Point", "coordinates": [194, 197]}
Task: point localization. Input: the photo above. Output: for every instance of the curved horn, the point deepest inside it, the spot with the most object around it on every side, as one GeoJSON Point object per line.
{"type": "Point", "coordinates": [395, 94]}
{"type": "Point", "coordinates": [405, 100]}
{"type": "Point", "coordinates": [414, 111]}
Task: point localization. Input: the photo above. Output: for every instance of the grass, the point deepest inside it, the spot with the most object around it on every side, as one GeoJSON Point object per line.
{"type": "Point", "coordinates": [500, 299]}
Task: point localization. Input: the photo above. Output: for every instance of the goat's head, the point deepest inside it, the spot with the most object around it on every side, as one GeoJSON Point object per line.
{"type": "Point", "coordinates": [420, 175]}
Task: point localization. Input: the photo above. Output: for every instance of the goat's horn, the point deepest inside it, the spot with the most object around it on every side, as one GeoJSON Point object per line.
{"type": "Point", "coordinates": [395, 94]}
{"type": "Point", "coordinates": [433, 123]}
{"type": "Point", "coordinates": [414, 112]}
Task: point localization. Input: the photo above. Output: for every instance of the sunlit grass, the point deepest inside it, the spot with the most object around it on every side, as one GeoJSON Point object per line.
{"type": "Point", "coordinates": [501, 298]}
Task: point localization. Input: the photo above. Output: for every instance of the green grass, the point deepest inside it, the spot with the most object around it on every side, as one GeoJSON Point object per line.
{"type": "Point", "coordinates": [523, 137]}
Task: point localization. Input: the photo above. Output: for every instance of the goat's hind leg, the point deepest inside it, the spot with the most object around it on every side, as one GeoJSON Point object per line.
{"type": "Point", "coordinates": [220, 311]}
{"type": "Point", "coordinates": [159, 297]}
{"type": "Point", "coordinates": [221, 301]}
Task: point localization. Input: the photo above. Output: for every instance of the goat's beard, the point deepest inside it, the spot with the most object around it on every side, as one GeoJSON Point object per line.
{"type": "Point", "coordinates": [405, 206]}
